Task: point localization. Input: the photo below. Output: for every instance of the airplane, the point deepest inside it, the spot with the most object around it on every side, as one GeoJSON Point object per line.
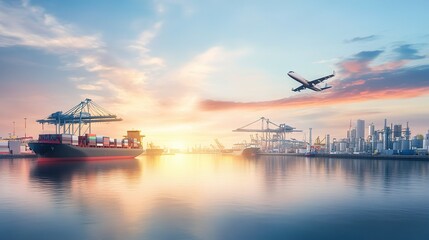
{"type": "Point", "coordinates": [309, 84]}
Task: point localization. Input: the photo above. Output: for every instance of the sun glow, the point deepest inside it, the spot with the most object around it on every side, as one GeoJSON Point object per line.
{"type": "Point", "coordinates": [177, 144]}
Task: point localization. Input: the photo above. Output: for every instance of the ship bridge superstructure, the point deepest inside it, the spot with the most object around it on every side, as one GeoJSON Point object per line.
{"type": "Point", "coordinates": [79, 118]}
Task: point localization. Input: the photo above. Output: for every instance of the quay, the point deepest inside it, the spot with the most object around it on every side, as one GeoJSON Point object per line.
{"type": "Point", "coordinates": [353, 156]}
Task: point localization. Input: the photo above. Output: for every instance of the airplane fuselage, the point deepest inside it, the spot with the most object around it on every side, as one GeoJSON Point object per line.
{"type": "Point", "coordinates": [303, 81]}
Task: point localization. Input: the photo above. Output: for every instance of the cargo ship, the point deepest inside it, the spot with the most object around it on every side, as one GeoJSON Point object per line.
{"type": "Point", "coordinates": [246, 150]}
{"type": "Point", "coordinates": [86, 147]}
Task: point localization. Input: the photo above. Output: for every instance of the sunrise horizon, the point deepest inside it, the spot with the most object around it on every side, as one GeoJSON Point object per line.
{"type": "Point", "coordinates": [183, 90]}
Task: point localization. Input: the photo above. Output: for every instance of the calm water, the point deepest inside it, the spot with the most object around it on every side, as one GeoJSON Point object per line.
{"type": "Point", "coordinates": [215, 197]}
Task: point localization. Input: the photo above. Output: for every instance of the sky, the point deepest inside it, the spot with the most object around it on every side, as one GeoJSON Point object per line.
{"type": "Point", "coordinates": [188, 72]}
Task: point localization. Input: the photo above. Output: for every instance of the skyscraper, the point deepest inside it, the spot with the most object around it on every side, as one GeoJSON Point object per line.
{"type": "Point", "coordinates": [360, 129]}
{"type": "Point", "coordinates": [371, 131]}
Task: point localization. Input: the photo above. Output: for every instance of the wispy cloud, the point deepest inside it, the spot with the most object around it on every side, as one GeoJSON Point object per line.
{"type": "Point", "coordinates": [89, 87]}
{"type": "Point", "coordinates": [361, 39]}
{"type": "Point", "coordinates": [119, 83]}
{"type": "Point", "coordinates": [26, 25]}
{"type": "Point", "coordinates": [23, 24]}
{"type": "Point", "coordinates": [182, 88]}
{"type": "Point", "coordinates": [142, 46]}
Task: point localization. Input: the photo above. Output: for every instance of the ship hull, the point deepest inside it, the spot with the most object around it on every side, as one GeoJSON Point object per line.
{"type": "Point", "coordinates": [250, 151]}
{"type": "Point", "coordinates": [246, 152]}
{"type": "Point", "coordinates": [50, 151]}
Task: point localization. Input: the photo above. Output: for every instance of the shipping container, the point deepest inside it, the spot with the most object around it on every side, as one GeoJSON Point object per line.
{"type": "Point", "coordinates": [75, 140]}
{"type": "Point", "coordinates": [106, 141]}
{"type": "Point", "coordinates": [82, 141]}
{"type": "Point", "coordinates": [112, 142]}
{"type": "Point", "coordinates": [56, 138]}
{"type": "Point", "coordinates": [125, 142]}
{"type": "Point", "coordinates": [15, 147]}
{"type": "Point", "coordinates": [91, 142]}
{"type": "Point", "coordinates": [99, 139]}
{"type": "Point", "coordinates": [4, 148]}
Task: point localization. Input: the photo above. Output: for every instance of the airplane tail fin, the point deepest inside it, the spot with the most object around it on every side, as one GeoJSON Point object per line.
{"type": "Point", "coordinates": [326, 87]}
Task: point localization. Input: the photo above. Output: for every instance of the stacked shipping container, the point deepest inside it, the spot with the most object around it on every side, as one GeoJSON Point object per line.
{"type": "Point", "coordinates": [4, 147]}
{"type": "Point", "coordinates": [88, 140]}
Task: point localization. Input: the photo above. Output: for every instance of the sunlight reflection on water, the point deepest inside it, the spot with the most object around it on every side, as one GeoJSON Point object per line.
{"type": "Point", "coordinates": [214, 197]}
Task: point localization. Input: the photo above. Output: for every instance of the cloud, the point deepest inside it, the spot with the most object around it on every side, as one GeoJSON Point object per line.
{"type": "Point", "coordinates": [187, 83]}
{"type": "Point", "coordinates": [26, 25]}
{"type": "Point", "coordinates": [120, 83]}
{"type": "Point", "coordinates": [359, 62]}
{"type": "Point", "coordinates": [360, 82]}
{"type": "Point", "coordinates": [22, 24]}
{"type": "Point", "coordinates": [407, 52]}
{"type": "Point", "coordinates": [362, 39]}
{"type": "Point", "coordinates": [141, 45]}
{"type": "Point", "coordinates": [89, 87]}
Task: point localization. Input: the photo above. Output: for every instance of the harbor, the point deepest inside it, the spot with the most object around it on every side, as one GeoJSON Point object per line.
{"type": "Point", "coordinates": [214, 120]}
{"type": "Point", "coordinates": [390, 143]}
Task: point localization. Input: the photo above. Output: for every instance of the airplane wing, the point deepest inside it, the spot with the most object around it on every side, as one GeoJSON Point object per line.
{"type": "Point", "coordinates": [319, 80]}
{"type": "Point", "coordinates": [302, 87]}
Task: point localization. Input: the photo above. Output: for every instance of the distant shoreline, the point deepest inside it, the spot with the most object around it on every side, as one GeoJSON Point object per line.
{"type": "Point", "coordinates": [318, 155]}
{"type": "Point", "coordinates": [353, 156]}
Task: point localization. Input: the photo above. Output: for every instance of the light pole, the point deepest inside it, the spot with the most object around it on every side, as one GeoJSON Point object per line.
{"type": "Point", "coordinates": [13, 128]}
{"type": "Point", "coordinates": [25, 127]}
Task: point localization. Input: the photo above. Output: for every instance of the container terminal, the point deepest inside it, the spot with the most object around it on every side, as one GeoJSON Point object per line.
{"type": "Point", "coordinates": [266, 138]}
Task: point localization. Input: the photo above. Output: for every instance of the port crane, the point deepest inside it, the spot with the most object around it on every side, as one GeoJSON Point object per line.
{"type": "Point", "coordinates": [74, 120]}
{"type": "Point", "coordinates": [220, 146]}
{"type": "Point", "coordinates": [273, 135]}
{"type": "Point", "coordinates": [319, 143]}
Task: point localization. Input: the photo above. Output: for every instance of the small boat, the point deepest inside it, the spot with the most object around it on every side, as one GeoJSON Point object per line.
{"type": "Point", "coordinates": [310, 154]}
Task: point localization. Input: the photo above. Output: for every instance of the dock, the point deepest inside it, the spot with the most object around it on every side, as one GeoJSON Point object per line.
{"type": "Point", "coordinates": [353, 156]}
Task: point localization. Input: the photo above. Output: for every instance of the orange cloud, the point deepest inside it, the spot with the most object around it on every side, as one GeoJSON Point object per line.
{"type": "Point", "coordinates": [354, 66]}
{"type": "Point", "coordinates": [390, 65]}
{"type": "Point", "coordinates": [307, 101]}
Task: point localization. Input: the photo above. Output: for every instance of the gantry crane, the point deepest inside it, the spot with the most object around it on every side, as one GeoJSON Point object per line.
{"type": "Point", "coordinates": [74, 120]}
{"type": "Point", "coordinates": [271, 133]}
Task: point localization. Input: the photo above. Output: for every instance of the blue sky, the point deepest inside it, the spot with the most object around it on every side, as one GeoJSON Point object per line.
{"type": "Point", "coordinates": [185, 72]}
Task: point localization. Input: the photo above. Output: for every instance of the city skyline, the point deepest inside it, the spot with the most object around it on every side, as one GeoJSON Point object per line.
{"type": "Point", "coordinates": [186, 72]}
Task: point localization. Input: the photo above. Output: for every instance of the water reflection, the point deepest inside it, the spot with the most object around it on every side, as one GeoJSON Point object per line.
{"type": "Point", "coordinates": [215, 197]}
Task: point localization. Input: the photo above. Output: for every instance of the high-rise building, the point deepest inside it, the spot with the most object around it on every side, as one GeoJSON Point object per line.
{"type": "Point", "coordinates": [372, 137]}
{"type": "Point", "coordinates": [328, 143]}
{"type": "Point", "coordinates": [426, 141]}
{"type": "Point", "coordinates": [360, 129]}
{"type": "Point", "coordinates": [371, 130]}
